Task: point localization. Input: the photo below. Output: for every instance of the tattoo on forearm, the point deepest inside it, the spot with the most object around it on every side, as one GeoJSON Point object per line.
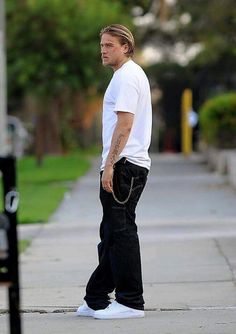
{"type": "Point", "coordinates": [115, 152]}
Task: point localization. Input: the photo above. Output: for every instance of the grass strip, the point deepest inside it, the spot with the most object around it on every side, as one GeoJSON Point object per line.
{"type": "Point", "coordinates": [23, 244]}
{"type": "Point", "coordinates": [42, 188]}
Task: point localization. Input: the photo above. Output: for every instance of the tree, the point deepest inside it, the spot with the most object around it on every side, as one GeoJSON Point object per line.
{"type": "Point", "coordinates": [53, 53]}
{"type": "Point", "coordinates": [198, 35]}
{"type": "Point", "coordinates": [211, 23]}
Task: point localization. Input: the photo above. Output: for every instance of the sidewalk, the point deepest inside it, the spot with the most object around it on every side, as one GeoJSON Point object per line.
{"type": "Point", "coordinates": [187, 229]}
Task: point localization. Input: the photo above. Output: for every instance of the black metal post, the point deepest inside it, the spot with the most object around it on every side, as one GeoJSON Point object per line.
{"type": "Point", "coordinates": [8, 168]}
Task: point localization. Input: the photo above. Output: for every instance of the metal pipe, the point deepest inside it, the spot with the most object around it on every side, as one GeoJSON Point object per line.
{"type": "Point", "coordinates": [3, 113]}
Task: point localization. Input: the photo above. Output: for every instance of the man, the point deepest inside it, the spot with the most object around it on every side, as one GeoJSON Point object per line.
{"type": "Point", "coordinates": [127, 116]}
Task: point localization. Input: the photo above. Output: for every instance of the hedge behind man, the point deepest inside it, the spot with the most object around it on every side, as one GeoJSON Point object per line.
{"type": "Point", "coordinates": [127, 118]}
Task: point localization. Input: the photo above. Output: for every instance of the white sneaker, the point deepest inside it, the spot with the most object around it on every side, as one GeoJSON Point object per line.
{"type": "Point", "coordinates": [85, 311]}
{"type": "Point", "coordinates": [118, 311]}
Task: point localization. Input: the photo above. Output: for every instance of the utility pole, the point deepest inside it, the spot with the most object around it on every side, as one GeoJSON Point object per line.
{"type": "Point", "coordinates": [3, 99]}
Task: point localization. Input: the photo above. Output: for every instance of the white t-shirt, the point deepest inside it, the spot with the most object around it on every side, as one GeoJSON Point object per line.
{"type": "Point", "coordinates": [129, 91]}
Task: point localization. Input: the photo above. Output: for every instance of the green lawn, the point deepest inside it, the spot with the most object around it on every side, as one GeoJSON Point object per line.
{"type": "Point", "coordinates": [23, 245]}
{"type": "Point", "coordinates": [42, 188]}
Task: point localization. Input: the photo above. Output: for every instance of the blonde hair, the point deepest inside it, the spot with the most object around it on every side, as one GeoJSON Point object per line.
{"type": "Point", "coordinates": [124, 34]}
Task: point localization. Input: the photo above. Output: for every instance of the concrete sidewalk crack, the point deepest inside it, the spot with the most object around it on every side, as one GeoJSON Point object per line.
{"type": "Point", "coordinates": [221, 252]}
{"type": "Point", "coordinates": [72, 309]}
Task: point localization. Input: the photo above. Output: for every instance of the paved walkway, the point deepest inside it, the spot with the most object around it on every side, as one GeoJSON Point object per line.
{"type": "Point", "coordinates": [187, 228]}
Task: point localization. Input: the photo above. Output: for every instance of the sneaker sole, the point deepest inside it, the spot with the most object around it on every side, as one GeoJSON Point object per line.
{"type": "Point", "coordinates": [119, 316]}
{"type": "Point", "coordinates": [81, 314]}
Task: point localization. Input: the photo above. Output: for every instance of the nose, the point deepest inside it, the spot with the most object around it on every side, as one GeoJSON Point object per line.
{"type": "Point", "coordinates": [103, 51]}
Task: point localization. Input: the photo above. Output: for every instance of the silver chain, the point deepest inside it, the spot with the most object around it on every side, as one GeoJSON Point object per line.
{"type": "Point", "coordinates": [130, 191]}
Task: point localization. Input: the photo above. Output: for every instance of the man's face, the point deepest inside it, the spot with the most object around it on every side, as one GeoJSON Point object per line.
{"type": "Point", "coordinates": [112, 52]}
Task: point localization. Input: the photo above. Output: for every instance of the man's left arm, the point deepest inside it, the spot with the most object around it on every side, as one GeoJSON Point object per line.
{"type": "Point", "coordinates": [118, 142]}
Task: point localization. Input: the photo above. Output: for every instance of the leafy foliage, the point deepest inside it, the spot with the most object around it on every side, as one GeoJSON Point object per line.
{"type": "Point", "coordinates": [144, 4]}
{"type": "Point", "coordinates": [53, 45]}
{"type": "Point", "coordinates": [53, 57]}
{"type": "Point", "coordinates": [211, 23]}
{"type": "Point", "coordinates": [218, 120]}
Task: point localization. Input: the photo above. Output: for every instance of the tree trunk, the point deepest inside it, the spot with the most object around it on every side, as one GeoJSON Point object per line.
{"type": "Point", "coordinates": [47, 129]}
{"type": "Point", "coordinates": [39, 138]}
{"type": "Point", "coordinates": [53, 133]}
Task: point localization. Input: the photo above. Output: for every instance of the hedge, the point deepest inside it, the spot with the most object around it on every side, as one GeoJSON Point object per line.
{"type": "Point", "coordinates": [218, 121]}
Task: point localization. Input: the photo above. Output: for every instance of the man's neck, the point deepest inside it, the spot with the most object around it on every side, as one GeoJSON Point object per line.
{"type": "Point", "coordinates": [120, 64]}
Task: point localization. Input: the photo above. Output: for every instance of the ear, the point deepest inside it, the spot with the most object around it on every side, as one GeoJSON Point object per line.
{"type": "Point", "coordinates": [125, 48]}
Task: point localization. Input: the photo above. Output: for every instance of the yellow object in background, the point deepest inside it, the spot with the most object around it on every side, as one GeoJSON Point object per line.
{"type": "Point", "coordinates": [186, 128]}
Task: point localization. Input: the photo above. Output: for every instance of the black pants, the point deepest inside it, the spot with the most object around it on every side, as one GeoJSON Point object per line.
{"type": "Point", "coordinates": [119, 252]}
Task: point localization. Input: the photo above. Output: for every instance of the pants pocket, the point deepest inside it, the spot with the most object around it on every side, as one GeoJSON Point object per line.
{"type": "Point", "coordinates": [128, 184]}
{"type": "Point", "coordinates": [138, 186]}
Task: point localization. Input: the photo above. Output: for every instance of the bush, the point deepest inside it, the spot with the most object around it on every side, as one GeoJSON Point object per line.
{"type": "Point", "coordinates": [218, 121]}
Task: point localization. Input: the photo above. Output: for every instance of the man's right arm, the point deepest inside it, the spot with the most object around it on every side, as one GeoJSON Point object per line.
{"type": "Point", "coordinates": [118, 142]}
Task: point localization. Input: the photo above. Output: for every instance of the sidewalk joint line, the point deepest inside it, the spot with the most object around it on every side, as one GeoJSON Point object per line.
{"type": "Point", "coordinates": [154, 309]}
{"type": "Point", "coordinates": [222, 253]}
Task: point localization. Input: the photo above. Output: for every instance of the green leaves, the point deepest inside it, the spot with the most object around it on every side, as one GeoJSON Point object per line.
{"type": "Point", "coordinates": [218, 120]}
{"type": "Point", "coordinates": [53, 45]}
{"type": "Point", "coordinates": [212, 23]}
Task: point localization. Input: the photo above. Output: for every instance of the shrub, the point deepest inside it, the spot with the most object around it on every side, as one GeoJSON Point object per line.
{"type": "Point", "coordinates": [218, 121]}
